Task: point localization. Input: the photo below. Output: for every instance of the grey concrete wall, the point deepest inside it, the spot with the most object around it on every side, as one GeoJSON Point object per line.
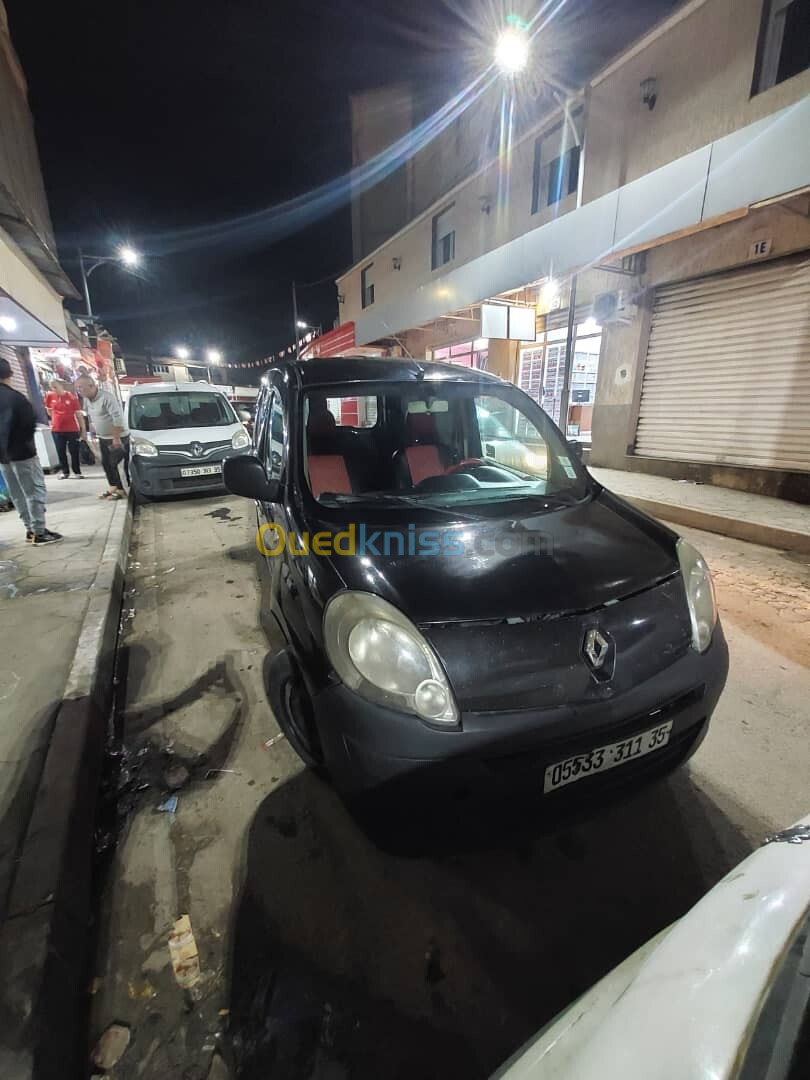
{"type": "Point", "coordinates": [704, 65]}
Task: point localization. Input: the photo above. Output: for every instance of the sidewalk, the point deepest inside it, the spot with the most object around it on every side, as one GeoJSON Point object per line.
{"type": "Point", "coordinates": [59, 611]}
{"type": "Point", "coordinates": [758, 519]}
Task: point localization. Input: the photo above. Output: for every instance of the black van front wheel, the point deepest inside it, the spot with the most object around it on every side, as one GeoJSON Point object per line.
{"type": "Point", "coordinates": [292, 709]}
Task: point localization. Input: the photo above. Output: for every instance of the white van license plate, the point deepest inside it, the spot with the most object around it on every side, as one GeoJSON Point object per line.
{"type": "Point", "coordinates": [605, 757]}
{"type": "Point", "coordinates": [201, 470]}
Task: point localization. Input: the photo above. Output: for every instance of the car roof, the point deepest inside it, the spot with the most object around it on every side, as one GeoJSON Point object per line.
{"type": "Point", "coordinates": [330, 370]}
{"type": "Point", "coordinates": [168, 387]}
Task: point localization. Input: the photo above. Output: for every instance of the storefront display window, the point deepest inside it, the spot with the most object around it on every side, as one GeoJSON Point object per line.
{"type": "Point", "coordinates": [471, 354]}
{"type": "Point", "coordinates": [542, 375]}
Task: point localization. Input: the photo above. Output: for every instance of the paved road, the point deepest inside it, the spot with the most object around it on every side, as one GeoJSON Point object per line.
{"type": "Point", "coordinates": [323, 956]}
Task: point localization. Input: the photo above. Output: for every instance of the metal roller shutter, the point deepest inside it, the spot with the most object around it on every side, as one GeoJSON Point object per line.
{"type": "Point", "coordinates": [727, 377]}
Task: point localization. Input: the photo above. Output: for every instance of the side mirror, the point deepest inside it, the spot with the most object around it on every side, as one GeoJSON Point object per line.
{"type": "Point", "coordinates": [244, 475]}
{"type": "Point", "coordinates": [245, 416]}
{"type": "Point", "coordinates": [576, 449]}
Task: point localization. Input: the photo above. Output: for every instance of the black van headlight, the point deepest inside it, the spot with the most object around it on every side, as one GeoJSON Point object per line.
{"type": "Point", "coordinates": [700, 596]}
{"type": "Point", "coordinates": [379, 653]}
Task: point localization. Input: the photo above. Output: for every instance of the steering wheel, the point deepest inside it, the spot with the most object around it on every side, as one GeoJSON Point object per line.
{"type": "Point", "coordinates": [463, 464]}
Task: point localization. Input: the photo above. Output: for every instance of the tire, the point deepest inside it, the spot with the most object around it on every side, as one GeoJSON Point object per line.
{"type": "Point", "coordinates": [292, 709]}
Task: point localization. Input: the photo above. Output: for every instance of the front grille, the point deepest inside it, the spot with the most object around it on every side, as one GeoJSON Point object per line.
{"type": "Point", "coordinates": [183, 451]}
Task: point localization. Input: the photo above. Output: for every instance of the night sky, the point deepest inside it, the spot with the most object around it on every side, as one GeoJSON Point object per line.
{"type": "Point", "coordinates": [164, 122]}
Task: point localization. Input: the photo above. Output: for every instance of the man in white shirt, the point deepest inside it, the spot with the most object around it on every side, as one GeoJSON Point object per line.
{"type": "Point", "coordinates": [107, 420]}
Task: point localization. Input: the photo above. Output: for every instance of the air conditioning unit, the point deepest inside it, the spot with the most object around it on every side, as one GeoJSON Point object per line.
{"type": "Point", "coordinates": [613, 307]}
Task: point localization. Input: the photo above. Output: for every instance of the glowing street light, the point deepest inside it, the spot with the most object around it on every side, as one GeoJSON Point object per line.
{"type": "Point", "coordinates": [129, 256]}
{"type": "Point", "coordinates": [512, 50]}
{"type": "Point", "coordinates": [181, 352]}
{"type": "Point", "coordinates": [214, 356]}
{"type": "Point", "coordinates": [301, 324]}
{"type": "Point", "coordinates": [126, 255]}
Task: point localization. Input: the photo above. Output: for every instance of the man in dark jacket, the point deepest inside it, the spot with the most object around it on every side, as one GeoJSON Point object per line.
{"type": "Point", "coordinates": [19, 464]}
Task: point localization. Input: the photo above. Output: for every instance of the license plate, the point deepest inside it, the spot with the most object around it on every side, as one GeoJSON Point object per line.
{"type": "Point", "coordinates": [201, 470]}
{"type": "Point", "coordinates": [607, 757]}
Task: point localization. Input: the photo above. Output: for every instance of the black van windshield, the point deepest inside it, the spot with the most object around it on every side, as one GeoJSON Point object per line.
{"type": "Point", "coordinates": [159, 412]}
{"type": "Point", "coordinates": [438, 443]}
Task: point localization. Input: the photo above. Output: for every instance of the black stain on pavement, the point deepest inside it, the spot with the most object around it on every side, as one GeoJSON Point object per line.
{"type": "Point", "coordinates": [223, 513]}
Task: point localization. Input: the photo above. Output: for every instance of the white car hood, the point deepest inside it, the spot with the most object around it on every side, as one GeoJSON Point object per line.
{"type": "Point", "coordinates": [683, 1005]}
{"type": "Point", "coordinates": [182, 436]}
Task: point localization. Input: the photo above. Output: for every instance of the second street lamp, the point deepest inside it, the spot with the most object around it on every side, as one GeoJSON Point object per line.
{"type": "Point", "coordinates": [126, 255]}
{"type": "Point", "coordinates": [213, 356]}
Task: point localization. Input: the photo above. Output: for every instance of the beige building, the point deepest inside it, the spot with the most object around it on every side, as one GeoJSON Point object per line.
{"type": "Point", "coordinates": [672, 195]}
{"type": "Point", "coordinates": [32, 283]}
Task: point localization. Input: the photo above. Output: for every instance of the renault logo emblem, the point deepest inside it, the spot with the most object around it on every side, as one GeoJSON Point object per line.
{"type": "Point", "coordinates": [197, 449]}
{"type": "Point", "coordinates": [596, 648]}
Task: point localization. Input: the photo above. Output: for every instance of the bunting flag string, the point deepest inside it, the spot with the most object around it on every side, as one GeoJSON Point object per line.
{"type": "Point", "coordinates": [271, 359]}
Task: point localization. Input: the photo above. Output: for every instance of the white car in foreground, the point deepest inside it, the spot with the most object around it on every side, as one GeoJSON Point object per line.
{"type": "Point", "coordinates": [722, 993]}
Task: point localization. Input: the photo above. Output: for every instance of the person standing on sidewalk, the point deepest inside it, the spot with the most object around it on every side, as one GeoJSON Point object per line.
{"type": "Point", "coordinates": [107, 420]}
{"type": "Point", "coordinates": [19, 464]}
{"type": "Point", "coordinates": [67, 425]}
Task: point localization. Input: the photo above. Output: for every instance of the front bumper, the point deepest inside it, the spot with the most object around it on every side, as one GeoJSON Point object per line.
{"type": "Point", "coordinates": [152, 477]}
{"type": "Point", "coordinates": [368, 746]}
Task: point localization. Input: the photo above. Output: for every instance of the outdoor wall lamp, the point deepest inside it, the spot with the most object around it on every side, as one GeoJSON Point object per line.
{"type": "Point", "coordinates": [649, 92]}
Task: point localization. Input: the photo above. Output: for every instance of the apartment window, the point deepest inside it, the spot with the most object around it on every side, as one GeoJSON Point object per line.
{"type": "Point", "coordinates": [554, 180]}
{"type": "Point", "coordinates": [557, 159]}
{"type": "Point", "coordinates": [367, 286]}
{"type": "Point", "coordinates": [444, 238]}
{"type": "Point", "coordinates": [784, 48]}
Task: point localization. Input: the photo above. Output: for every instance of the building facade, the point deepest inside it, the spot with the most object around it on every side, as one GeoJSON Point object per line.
{"type": "Point", "coordinates": [32, 283]}
{"type": "Point", "coordinates": [669, 198]}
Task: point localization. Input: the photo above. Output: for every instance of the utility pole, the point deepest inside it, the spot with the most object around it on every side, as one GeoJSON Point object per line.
{"type": "Point", "coordinates": [85, 285]}
{"type": "Point", "coordinates": [295, 322]}
{"type": "Point", "coordinates": [569, 356]}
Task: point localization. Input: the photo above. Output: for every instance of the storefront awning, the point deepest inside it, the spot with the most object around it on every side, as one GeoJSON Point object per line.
{"type": "Point", "coordinates": [758, 162]}
{"type": "Point", "coordinates": [336, 342]}
{"type": "Point", "coordinates": [31, 311]}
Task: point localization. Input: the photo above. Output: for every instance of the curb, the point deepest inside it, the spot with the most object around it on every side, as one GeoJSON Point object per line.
{"type": "Point", "coordinates": [43, 941]}
{"type": "Point", "coordinates": [753, 532]}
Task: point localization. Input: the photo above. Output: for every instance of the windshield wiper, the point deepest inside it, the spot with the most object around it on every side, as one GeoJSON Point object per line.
{"type": "Point", "coordinates": [392, 500]}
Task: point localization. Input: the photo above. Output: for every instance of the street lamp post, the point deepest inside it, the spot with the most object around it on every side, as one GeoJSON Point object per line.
{"type": "Point", "coordinates": [296, 322]}
{"type": "Point", "coordinates": [213, 356]}
{"type": "Point", "coordinates": [88, 263]}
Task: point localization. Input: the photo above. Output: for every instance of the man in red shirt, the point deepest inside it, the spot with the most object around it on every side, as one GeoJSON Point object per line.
{"type": "Point", "coordinates": [67, 425]}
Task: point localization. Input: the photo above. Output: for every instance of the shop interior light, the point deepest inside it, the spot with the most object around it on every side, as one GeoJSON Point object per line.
{"type": "Point", "coordinates": [550, 292]}
{"type": "Point", "coordinates": [8, 324]}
